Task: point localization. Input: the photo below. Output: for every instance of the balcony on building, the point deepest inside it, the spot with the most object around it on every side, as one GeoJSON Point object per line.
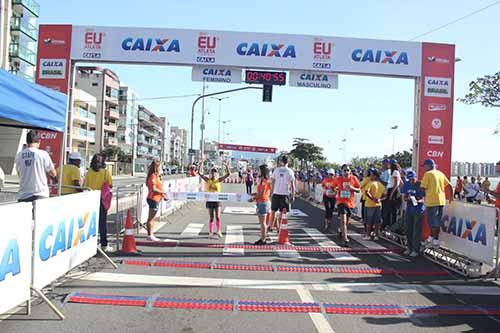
{"type": "Point", "coordinates": [22, 52]}
{"type": "Point", "coordinates": [81, 134]}
{"type": "Point", "coordinates": [111, 141]}
{"type": "Point", "coordinates": [112, 95]}
{"type": "Point", "coordinates": [30, 5]}
{"type": "Point", "coordinates": [22, 25]}
{"type": "Point", "coordinates": [112, 113]}
{"type": "Point", "coordinates": [110, 127]}
{"type": "Point", "coordinates": [22, 74]}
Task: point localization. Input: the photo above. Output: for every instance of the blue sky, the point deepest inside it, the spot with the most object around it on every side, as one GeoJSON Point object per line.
{"type": "Point", "coordinates": [361, 110]}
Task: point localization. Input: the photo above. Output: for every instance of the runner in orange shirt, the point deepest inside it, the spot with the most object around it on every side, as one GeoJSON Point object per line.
{"type": "Point", "coordinates": [345, 185]}
{"type": "Point", "coordinates": [329, 194]}
{"type": "Point", "coordinates": [262, 197]}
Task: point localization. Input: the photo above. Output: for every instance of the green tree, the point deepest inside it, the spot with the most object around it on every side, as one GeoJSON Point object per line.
{"type": "Point", "coordinates": [404, 158]}
{"type": "Point", "coordinates": [485, 91]}
{"type": "Point", "coordinates": [365, 162]}
{"type": "Point", "coordinates": [306, 151]}
{"type": "Point", "coordinates": [115, 154]}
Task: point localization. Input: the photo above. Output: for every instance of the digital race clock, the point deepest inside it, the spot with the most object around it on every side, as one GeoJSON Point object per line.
{"type": "Point", "coordinates": [265, 78]}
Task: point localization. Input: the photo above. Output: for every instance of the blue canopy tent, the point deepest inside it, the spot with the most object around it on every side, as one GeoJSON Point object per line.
{"type": "Point", "coordinates": [28, 105]}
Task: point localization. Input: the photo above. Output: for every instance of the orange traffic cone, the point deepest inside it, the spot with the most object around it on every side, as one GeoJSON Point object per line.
{"type": "Point", "coordinates": [283, 235]}
{"type": "Point", "coordinates": [128, 245]}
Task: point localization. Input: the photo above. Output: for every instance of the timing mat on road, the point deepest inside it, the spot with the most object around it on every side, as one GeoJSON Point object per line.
{"type": "Point", "coordinates": [156, 301]}
{"type": "Point", "coordinates": [170, 243]}
{"type": "Point", "coordinates": [281, 268]}
{"type": "Point", "coordinates": [251, 211]}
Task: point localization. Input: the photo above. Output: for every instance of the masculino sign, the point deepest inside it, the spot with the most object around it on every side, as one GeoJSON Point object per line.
{"type": "Point", "coordinates": [216, 74]}
{"type": "Point", "coordinates": [65, 234]}
{"type": "Point", "coordinates": [246, 50]}
{"type": "Point", "coordinates": [313, 80]}
{"type": "Point", "coordinates": [469, 230]}
{"type": "Point", "coordinates": [15, 256]}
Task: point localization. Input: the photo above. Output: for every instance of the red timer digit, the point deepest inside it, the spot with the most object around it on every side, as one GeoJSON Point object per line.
{"type": "Point", "coordinates": [264, 77]}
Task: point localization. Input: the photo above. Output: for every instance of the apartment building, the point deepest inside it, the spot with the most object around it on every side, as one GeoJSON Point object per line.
{"type": "Point", "coordinates": [84, 120]}
{"type": "Point", "coordinates": [104, 84]}
{"type": "Point", "coordinates": [472, 169]}
{"type": "Point", "coordinates": [18, 37]}
{"type": "Point", "coordinates": [150, 134]}
{"type": "Point", "coordinates": [127, 124]}
{"type": "Point", "coordinates": [178, 146]}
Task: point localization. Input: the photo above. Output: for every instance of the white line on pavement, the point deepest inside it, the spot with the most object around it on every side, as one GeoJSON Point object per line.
{"type": "Point", "coordinates": [323, 241]}
{"type": "Point", "coordinates": [192, 230]}
{"type": "Point", "coordinates": [369, 287]}
{"type": "Point", "coordinates": [234, 236]}
{"type": "Point", "coordinates": [318, 319]}
{"type": "Point", "coordinates": [282, 253]}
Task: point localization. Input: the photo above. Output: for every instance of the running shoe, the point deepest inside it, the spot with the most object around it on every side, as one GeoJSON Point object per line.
{"type": "Point", "coordinates": [153, 239]}
{"type": "Point", "coordinates": [414, 254]}
{"type": "Point", "coordinates": [435, 243]}
{"type": "Point", "coordinates": [108, 248]}
{"type": "Point", "coordinates": [219, 235]}
{"type": "Point", "coordinates": [260, 242]}
{"type": "Point", "coordinates": [407, 252]}
{"type": "Point", "coordinates": [376, 238]}
{"type": "Point", "coordinates": [366, 237]}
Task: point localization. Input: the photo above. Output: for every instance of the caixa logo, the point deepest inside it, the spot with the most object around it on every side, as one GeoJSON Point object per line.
{"type": "Point", "coordinates": [468, 229]}
{"type": "Point", "coordinates": [380, 56]}
{"type": "Point", "coordinates": [151, 44]}
{"type": "Point", "coordinates": [67, 234]}
{"type": "Point", "coordinates": [9, 259]}
{"type": "Point", "coordinates": [266, 50]}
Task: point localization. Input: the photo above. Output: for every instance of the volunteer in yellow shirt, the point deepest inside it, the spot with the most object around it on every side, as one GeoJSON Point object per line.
{"type": "Point", "coordinates": [71, 176]}
{"type": "Point", "coordinates": [435, 185]}
{"type": "Point", "coordinates": [214, 185]}
{"type": "Point", "coordinates": [96, 177]}
{"type": "Point", "coordinates": [374, 194]}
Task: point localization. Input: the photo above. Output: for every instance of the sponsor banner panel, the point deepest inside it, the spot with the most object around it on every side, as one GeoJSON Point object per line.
{"type": "Point", "coordinates": [313, 80]}
{"type": "Point", "coordinates": [246, 50]}
{"type": "Point", "coordinates": [15, 256]}
{"type": "Point", "coordinates": [436, 110]}
{"type": "Point", "coordinates": [65, 234]}
{"type": "Point", "coordinates": [209, 196]}
{"type": "Point", "coordinates": [469, 230]}
{"type": "Point", "coordinates": [254, 149]}
{"type": "Point", "coordinates": [216, 74]}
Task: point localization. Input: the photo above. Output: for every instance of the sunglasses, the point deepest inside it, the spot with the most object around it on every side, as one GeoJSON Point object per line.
{"type": "Point", "coordinates": [346, 170]}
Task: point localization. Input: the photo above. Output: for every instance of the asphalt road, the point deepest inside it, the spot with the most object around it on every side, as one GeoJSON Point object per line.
{"type": "Point", "coordinates": [239, 286]}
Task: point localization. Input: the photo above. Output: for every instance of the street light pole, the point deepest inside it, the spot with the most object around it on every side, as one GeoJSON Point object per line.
{"type": "Point", "coordinates": [220, 111]}
{"type": "Point", "coordinates": [202, 125]}
{"type": "Point", "coordinates": [209, 95]}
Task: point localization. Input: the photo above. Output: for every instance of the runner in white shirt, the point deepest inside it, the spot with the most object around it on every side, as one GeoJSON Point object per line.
{"type": "Point", "coordinates": [471, 190]}
{"type": "Point", "coordinates": [282, 189]}
{"type": "Point", "coordinates": [33, 165]}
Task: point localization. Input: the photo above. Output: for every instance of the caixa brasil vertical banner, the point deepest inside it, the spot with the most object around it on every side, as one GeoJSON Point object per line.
{"type": "Point", "coordinates": [436, 108]}
{"type": "Point", "coordinates": [53, 66]}
{"type": "Point", "coordinates": [15, 256]}
{"type": "Point", "coordinates": [65, 235]}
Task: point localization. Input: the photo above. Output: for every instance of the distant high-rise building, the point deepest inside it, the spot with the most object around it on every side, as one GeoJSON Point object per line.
{"type": "Point", "coordinates": [127, 124]}
{"type": "Point", "coordinates": [149, 138]}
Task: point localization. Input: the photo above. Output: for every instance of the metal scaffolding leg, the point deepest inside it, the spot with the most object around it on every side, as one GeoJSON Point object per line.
{"type": "Point", "coordinates": [107, 258]}
{"type": "Point", "coordinates": [49, 303]}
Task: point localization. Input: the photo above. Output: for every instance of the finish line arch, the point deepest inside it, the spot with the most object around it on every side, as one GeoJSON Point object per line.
{"type": "Point", "coordinates": [430, 65]}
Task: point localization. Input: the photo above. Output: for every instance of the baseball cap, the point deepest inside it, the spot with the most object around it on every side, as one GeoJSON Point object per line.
{"type": "Point", "coordinates": [429, 162]}
{"type": "Point", "coordinates": [75, 156]}
{"type": "Point", "coordinates": [330, 172]}
{"type": "Point", "coordinates": [411, 175]}
{"type": "Point", "coordinates": [393, 161]}
{"type": "Point", "coordinates": [385, 160]}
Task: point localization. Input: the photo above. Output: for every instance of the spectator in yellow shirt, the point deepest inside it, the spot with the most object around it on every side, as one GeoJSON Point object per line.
{"type": "Point", "coordinates": [374, 194]}
{"type": "Point", "coordinates": [96, 177]}
{"type": "Point", "coordinates": [71, 176]}
{"type": "Point", "coordinates": [436, 186]}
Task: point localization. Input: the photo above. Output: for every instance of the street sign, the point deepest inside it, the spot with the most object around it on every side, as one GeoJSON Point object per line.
{"type": "Point", "coordinates": [267, 93]}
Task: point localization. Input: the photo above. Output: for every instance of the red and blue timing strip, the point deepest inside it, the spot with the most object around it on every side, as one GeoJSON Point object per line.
{"type": "Point", "coordinates": [271, 247]}
{"type": "Point", "coordinates": [283, 268]}
{"type": "Point", "coordinates": [281, 306]}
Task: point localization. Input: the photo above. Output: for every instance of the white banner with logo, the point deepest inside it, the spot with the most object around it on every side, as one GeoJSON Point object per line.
{"type": "Point", "coordinates": [313, 80]}
{"type": "Point", "coordinates": [216, 74]}
{"type": "Point", "coordinates": [65, 234]}
{"type": "Point", "coordinates": [15, 255]}
{"type": "Point", "coordinates": [209, 196]}
{"type": "Point", "coordinates": [469, 230]}
{"type": "Point", "coordinates": [246, 50]}
{"type": "Point", "coordinates": [186, 184]}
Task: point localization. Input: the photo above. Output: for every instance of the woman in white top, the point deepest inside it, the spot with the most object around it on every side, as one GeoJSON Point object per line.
{"type": "Point", "coordinates": [393, 195]}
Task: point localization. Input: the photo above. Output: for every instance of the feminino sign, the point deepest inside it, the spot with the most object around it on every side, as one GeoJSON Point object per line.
{"type": "Point", "coordinates": [246, 50]}
{"type": "Point", "coordinates": [216, 74]}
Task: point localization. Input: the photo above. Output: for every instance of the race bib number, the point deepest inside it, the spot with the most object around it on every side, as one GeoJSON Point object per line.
{"type": "Point", "coordinates": [330, 193]}
{"type": "Point", "coordinates": [345, 194]}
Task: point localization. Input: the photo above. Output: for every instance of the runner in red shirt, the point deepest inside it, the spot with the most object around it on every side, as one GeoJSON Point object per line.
{"type": "Point", "coordinates": [329, 194]}
{"type": "Point", "coordinates": [345, 185]}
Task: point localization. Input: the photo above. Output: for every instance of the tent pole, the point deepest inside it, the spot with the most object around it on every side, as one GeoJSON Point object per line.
{"type": "Point", "coordinates": [69, 123]}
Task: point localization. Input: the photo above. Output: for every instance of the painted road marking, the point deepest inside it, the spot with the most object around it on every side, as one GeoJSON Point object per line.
{"type": "Point", "coordinates": [292, 285]}
{"type": "Point", "coordinates": [323, 241]}
{"type": "Point", "coordinates": [240, 210]}
{"type": "Point", "coordinates": [234, 236]}
{"type": "Point", "coordinates": [284, 253]}
{"type": "Point", "coordinates": [318, 319]}
{"type": "Point", "coordinates": [373, 245]}
{"type": "Point", "coordinates": [192, 230]}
